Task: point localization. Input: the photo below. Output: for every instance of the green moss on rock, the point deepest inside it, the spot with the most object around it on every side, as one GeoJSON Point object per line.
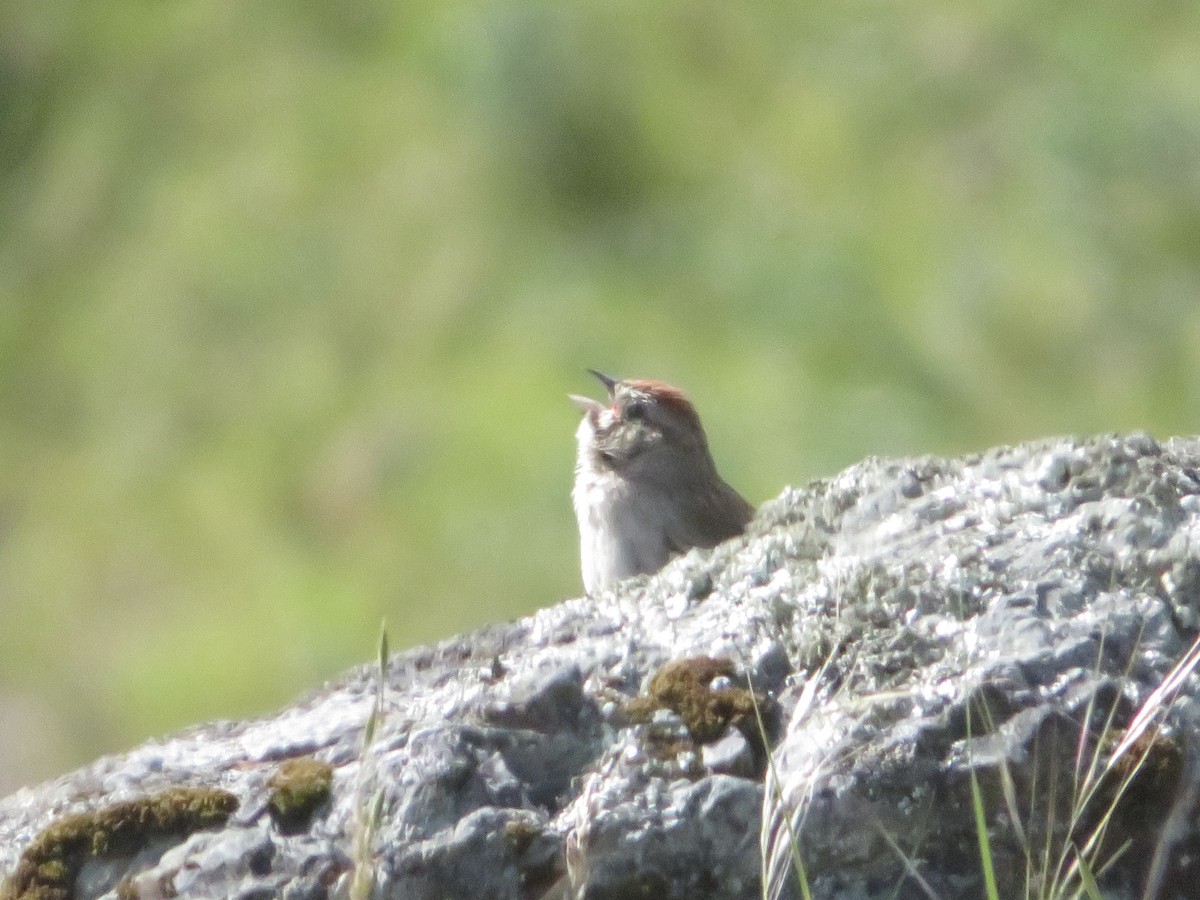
{"type": "Point", "coordinates": [298, 787]}
{"type": "Point", "coordinates": [49, 866]}
{"type": "Point", "coordinates": [684, 686]}
{"type": "Point", "coordinates": [519, 834]}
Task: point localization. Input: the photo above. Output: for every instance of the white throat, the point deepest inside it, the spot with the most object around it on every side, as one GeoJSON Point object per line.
{"type": "Point", "coordinates": [621, 529]}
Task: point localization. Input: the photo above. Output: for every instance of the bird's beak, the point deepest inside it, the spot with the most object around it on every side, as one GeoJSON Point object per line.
{"type": "Point", "coordinates": [610, 383]}
{"type": "Point", "coordinates": [593, 408]}
{"type": "Point", "coordinates": [590, 407]}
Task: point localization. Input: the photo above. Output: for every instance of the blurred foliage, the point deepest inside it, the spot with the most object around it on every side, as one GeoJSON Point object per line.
{"type": "Point", "coordinates": [290, 295]}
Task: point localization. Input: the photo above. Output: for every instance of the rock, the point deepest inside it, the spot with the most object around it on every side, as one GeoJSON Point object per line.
{"type": "Point", "coordinates": [731, 754]}
{"type": "Point", "coordinates": [923, 635]}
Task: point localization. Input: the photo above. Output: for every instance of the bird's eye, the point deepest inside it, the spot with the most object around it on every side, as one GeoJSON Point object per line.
{"type": "Point", "coordinates": [635, 409]}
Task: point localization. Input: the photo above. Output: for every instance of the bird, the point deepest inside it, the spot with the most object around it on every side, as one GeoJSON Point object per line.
{"type": "Point", "coordinates": [646, 487]}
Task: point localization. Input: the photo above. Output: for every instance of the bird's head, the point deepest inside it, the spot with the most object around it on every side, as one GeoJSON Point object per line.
{"type": "Point", "coordinates": [645, 426]}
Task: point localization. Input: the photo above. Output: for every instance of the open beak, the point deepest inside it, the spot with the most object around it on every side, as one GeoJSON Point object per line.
{"type": "Point", "coordinates": [590, 407]}
{"type": "Point", "coordinates": [610, 383]}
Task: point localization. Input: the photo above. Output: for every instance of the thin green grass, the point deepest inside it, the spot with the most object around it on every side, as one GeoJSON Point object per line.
{"type": "Point", "coordinates": [1066, 868]}
{"type": "Point", "coordinates": [369, 812]}
{"type": "Point", "coordinates": [910, 867]}
{"type": "Point", "coordinates": [981, 829]}
{"type": "Point", "coordinates": [774, 809]}
{"type": "Point", "coordinates": [777, 817]}
{"type": "Point", "coordinates": [1087, 878]}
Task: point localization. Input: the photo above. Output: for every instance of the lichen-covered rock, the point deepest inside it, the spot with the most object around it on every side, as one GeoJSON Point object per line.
{"type": "Point", "coordinates": [63, 855]}
{"type": "Point", "coordinates": [298, 788]}
{"type": "Point", "coordinates": [916, 641]}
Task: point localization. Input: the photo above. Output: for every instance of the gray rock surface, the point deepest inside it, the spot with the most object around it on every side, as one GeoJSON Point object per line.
{"type": "Point", "coordinates": [911, 627]}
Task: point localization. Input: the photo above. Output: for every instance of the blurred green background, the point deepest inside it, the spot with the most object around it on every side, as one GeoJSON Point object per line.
{"type": "Point", "coordinates": [291, 295]}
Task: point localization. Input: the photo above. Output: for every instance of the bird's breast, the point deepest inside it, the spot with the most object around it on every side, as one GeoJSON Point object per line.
{"type": "Point", "coordinates": [620, 533]}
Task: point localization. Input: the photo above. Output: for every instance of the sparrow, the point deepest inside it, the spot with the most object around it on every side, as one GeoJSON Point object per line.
{"type": "Point", "coordinates": [646, 487]}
